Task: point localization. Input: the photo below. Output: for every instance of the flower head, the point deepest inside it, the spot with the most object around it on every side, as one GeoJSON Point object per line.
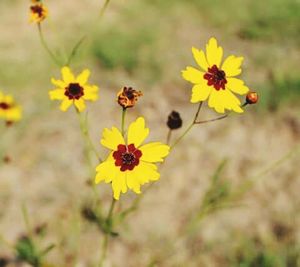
{"type": "Point", "coordinates": [9, 110]}
{"type": "Point", "coordinates": [127, 97]}
{"type": "Point", "coordinates": [130, 164]}
{"type": "Point", "coordinates": [73, 90]}
{"type": "Point", "coordinates": [38, 12]}
{"type": "Point", "coordinates": [215, 81]}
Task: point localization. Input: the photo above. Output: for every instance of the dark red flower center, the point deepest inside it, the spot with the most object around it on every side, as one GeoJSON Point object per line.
{"type": "Point", "coordinates": [127, 157]}
{"type": "Point", "coordinates": [215, 77]}
{"type": "Point", "coordinates": [37, 9]}
{"type": "Point", "coordinates": [4, 105]}
{"type": "Point", "coordinates": [74, 91]}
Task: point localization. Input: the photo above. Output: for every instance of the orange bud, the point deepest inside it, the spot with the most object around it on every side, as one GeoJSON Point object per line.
{"type": "Point", "coordinates": [251, 98]}
{"type": "Point", "coordinates": [127, 97]}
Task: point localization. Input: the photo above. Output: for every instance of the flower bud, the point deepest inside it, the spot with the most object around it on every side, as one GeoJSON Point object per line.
{"type": "Point", "coordinates": [128, 97]}
{"type": "Point", "coordinates": [251, 98]}
{"type": "Point", "coordinates": [174, 120]}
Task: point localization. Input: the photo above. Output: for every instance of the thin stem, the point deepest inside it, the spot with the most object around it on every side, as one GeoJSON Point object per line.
{"type": "Point", "coordinates": [123, 121]}
{"type": "Point", "coordinates": [211, 120]}
{"type": "Point", "coordinates": [169, 136]}
{"type": "Point", "coordinates": [189, 127]}
{"type": "Point", "coordinates": [85, 132]}
{"type": "Point", "coordinates": [106, 236]}
{"type": "Point", "coordinates": [46, 47]}
{"type": "Point", "coordinates": [103, 8]}
{"type": "Point", "coordinates": [75, 49]}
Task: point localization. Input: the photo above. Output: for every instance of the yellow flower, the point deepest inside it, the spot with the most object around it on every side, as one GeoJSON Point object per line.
{"type": "Point", "coordinates": [214, 81]}
{"type": "Point", "coordinates": [9, 110]}
{"type": "Point", "coordinates": [38, 12]}
{"type": "Point", "coordinates": [73, 90]}
{"type": "Point", "coordinates": [130, 165]}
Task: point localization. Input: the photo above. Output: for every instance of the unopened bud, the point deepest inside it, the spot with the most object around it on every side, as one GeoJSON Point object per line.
{"type": "Point", "coordinates": [174, 120]}
{"type": "Point", "coordinates": [251, 98]}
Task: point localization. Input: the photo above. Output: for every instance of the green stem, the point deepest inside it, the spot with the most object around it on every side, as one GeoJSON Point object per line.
{"type": "Point", "coordinates": [211, 120]}
{"type": "Point", "coordinates": [75, 49]}
{"type": "Point", "coordinates": [46, 47]}
{"type": "Point", "coordinates": [109, 223]}
{"type": "Point", "coordinates": [103, 8]}
{"type": "Point", "coordinates": [189, 127]}
{"type": "Point", "coordinates": [123, 121]}
{"type": "Point", "coordinates": [169, 137]}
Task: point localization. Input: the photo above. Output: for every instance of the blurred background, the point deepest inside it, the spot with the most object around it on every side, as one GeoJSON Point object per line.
{"type": "Point", "coordinates": [145, 44]}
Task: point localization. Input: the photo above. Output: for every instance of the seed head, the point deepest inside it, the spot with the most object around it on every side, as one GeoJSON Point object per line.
{"type": "Point", "coordinates": [174, 120]}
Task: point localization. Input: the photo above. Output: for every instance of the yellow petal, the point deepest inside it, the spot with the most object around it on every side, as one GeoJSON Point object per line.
{"type": "Point", "coordinates": [232, 65]}
{"type": "Point", "coordinates": [224, 99]}
{"type": "Point", "coordinates": [154, 152]}
{"type": "Point", "coordinates": [59, 83]}
{"type": "Point", "coordinates": [137, 132]}
{"type": "Point", "coordinates": [192, 75]}
{"type": "Point", "coordinates": [200, 58]}
{"type": "Point", "coordinates": [237, 86]}
{"type": "Point", "coordinates": [106, 171]}
{"type": "Point", "coordinates": [1, 96]}
{"type": "Point", "coordinates": [13, 114]}
{"type": "Point", "coordinates": [90, 93]}
{"type": "Point", "coordinates": [146, 172]}
{"type": "Point", "coordinates": [67, 75]}
{"type": "Point", "coordinates": [65, 104]}
{"type": "Point", "coordinates": [119, 184]}
{"type": "Point", "coordinates": [214, 53]}
{"type": "Point", "coordinates": [79, 104]}
{"type": "Point", "coordinates": [8, 99]}
{"type": "Point", "coordinates": [200, 92]}
{"type": "Point", "coordinates": [57, 94]}
{"type": "Point", "coordinates": [83, 77]}
{"type": "Point", "coordinates": [112, 138]}
{"type": "Point", "coordinates": [133, 182]}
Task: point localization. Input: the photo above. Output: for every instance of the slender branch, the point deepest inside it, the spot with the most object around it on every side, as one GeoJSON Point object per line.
{"type": "Point", "coordinates": [189, 127]}
{"type": "Point", "coordinates": [169, 135]}
{"type": "Point", "coordinates": [103, 8]}
{"type": "Point", "coordinates": [46, 47]}
{"type": "Point", "coordinates": [109, 223]}
{"type": "Point", "coordinates": [75, 49]}
{"type": "Point", "coordinates": [211, 120]}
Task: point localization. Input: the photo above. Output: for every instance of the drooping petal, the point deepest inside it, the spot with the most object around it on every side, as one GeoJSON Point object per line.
{"type": "Point", "coordinates": [237, 86]}
{"type": "Point", "coordinates": [83, 77]}
{"type": "Point", "coordinates": [200, 92]}
{"type": "Point", "coordinates": [67, 75]}
{"type": "Point", "coordinates": [146, 172]}
{"type": "Point", "coordinates": [192, 75]}
{"type": "Point", "coordinates": [65, 104]}
{"type": "Point", "coordinates": [119, 184]}
{"type": "Point", "coordinates": [133, 182]}
{"type": "Point", "coordinates": [214, 53]}
{"type": "Point", "coordinates": [137, 132]}
{"type": "Point", "coordinates": [90, 92]}
{"type": "Point", "coordinates": [154, 152]}
{"type": "Point", "coordinates": [224, 99]}
{"type": "Point", "coordinates": [200, 58]}
{"type": "Point", "coordinates": [106, 171]}
{"type": "Point", "coordinates": [232, 65]}
{"type": "Point", "coordinates": [59, 83]}
{"type": "Point", "coordinates": [112, 138]}
{"type": "Point", "coordinates": [57, 94]}
{"type": "Point", "coordinates": [79, 104]}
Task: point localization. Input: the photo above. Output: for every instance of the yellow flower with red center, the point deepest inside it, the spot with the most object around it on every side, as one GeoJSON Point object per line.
{"type": "Point", "coordinates": [73, 90]}
{"type": "Point", "coordinates": [215, 81]}
{"type": "Point", "coordinates": [38, 12]}
{"type": "Point", "coordinates": [130, 164]}
{"type": "Point", "coordinates": [9, 110]}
